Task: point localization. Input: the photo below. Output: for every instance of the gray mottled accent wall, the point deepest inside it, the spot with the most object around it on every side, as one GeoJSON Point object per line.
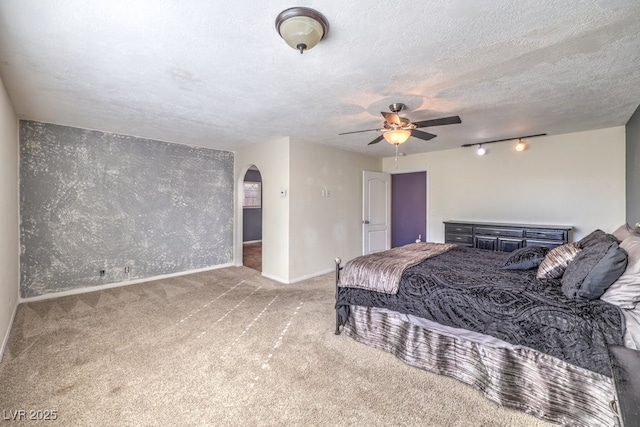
{"type": "Point", "coordinates": [633, 168]}
{"type": "Point", "coordinates": [133, 207]}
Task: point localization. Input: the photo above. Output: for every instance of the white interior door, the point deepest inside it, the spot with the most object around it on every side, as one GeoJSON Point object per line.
{"type": "Point", "coordinates": [376, 212]}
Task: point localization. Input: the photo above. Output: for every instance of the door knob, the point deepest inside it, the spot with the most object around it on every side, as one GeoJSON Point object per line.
{"type": "Point", "coordinates": [365, 222]}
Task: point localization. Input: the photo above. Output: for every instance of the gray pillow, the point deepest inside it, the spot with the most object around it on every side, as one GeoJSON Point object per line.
{"type": "Point", "coordinates": [593, 270]}
{"type": "Point", "coordinates": [595, 237]}
{"type": "Point", "coordinates": [525, 258]}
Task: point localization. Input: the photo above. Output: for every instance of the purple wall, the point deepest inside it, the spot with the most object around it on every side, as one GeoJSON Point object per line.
{"type": "Point", "coordinates": [408, 207]}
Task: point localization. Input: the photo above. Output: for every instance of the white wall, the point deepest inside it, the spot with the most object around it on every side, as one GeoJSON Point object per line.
{"type": "Point", "coordinates": [9, 225]}
{"type": "Point", "coordinates": [322, 228]}
{"type": "Point", "coordinates": [303, 232]}
{"type": "Point", "coordinates": [573, 179]}
{"type": "Point", "coordinates": [272, 159]}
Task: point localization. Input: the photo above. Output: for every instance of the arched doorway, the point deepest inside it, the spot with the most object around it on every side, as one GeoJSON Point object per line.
{"type": "Point", "coordinates": [252, 219]}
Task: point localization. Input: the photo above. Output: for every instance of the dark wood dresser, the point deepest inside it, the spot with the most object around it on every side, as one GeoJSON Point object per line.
{"type": "Point", "coordinates": [505, 237]}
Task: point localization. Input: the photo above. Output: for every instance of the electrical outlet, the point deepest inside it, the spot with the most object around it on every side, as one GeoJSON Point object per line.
{"type": "Point", "coordinates": [126, 270]}
{"type": "Point", "coordinates": [102, 273]}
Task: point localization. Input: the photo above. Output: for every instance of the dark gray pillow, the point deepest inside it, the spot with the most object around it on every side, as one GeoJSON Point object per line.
{"type": "Point", "coordinates": [525, 258]}
{"type": "Point", "coordinates": [595, 237]}
{"type": "Point", "coordinates": [591, 273]}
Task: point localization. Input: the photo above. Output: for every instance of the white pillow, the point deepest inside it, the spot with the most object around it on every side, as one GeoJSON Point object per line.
{"type": "Point", "coordinates": [622, 232]}
{"type": "Point", "coordinates": [625, 292]}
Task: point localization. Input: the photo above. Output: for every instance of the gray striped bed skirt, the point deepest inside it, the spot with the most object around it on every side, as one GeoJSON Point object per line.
{"type": "Point", "coordinates": [514, 377]}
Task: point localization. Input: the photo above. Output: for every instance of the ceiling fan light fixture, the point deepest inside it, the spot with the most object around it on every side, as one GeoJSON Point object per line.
{"type": "Point", "coordinates": [301, 27]}
{"type": "Point", "coordinates": [396, 136]}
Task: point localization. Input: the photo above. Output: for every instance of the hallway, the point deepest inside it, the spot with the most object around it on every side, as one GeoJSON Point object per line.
{"type": "Point", "coordinates": [252, 255]}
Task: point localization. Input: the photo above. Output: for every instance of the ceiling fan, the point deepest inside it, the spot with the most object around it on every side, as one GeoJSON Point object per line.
{"type": "Point", "coordinates": [396, 130]}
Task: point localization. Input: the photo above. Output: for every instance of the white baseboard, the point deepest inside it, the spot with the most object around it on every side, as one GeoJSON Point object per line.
{"type": "Point", "coordinates": [297, 279]}
{"type": "Point", "coordinates": [8, 332]}
{"type": "Point", "coordinates": [311, 276]}
{"type": "Point", "coordinates": [277, 279]}
{"type": "Point", "coordinates": [118, 284]}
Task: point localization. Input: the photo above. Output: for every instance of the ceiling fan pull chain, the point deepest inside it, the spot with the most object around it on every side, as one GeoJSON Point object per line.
{"type": "Point", "coordinates": [396, 156]}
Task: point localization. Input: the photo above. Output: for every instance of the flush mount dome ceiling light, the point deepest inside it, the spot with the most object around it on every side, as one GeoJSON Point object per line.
{"type": "Point", "coordinates": [301, 27]}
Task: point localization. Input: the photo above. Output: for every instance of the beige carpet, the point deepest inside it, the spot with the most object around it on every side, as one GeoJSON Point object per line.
{"type": "Point", "coordinates": [226, 347]}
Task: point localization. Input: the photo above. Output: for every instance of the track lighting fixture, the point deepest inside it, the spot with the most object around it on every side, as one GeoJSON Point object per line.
{"type": "Point", "coordinates": [520, 146]}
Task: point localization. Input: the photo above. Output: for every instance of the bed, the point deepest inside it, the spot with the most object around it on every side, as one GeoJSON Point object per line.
{"type": "Point", "coordinates": [520, 337]}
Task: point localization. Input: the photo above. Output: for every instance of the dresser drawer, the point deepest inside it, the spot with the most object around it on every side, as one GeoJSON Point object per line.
{"type": "Point", "coordinates": [545, 243]}
{"type": "Point", "coordinates": [560, 235]}
{"type": "Point", "coordinates": [458, 238]}
{"type": "Point", "coordinates": [459, 229]}
{"type": "Point", "coordinates": [498, 232]}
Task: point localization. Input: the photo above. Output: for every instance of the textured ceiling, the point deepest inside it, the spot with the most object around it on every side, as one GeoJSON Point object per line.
{"type": "Point", "coordinates": [216, 74]}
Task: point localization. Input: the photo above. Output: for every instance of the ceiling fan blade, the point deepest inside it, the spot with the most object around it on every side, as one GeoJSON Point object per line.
{"type": "Point", "coordinates": [358, 131]}
{"type": "Point", "coordinates": [438, 122]}
{"type": "Point", "coordinates": [392, 118]}
{"type": "Point", "coordinates": [375, 141]}
{"type": "Point", "coordinates": [422, 135]}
